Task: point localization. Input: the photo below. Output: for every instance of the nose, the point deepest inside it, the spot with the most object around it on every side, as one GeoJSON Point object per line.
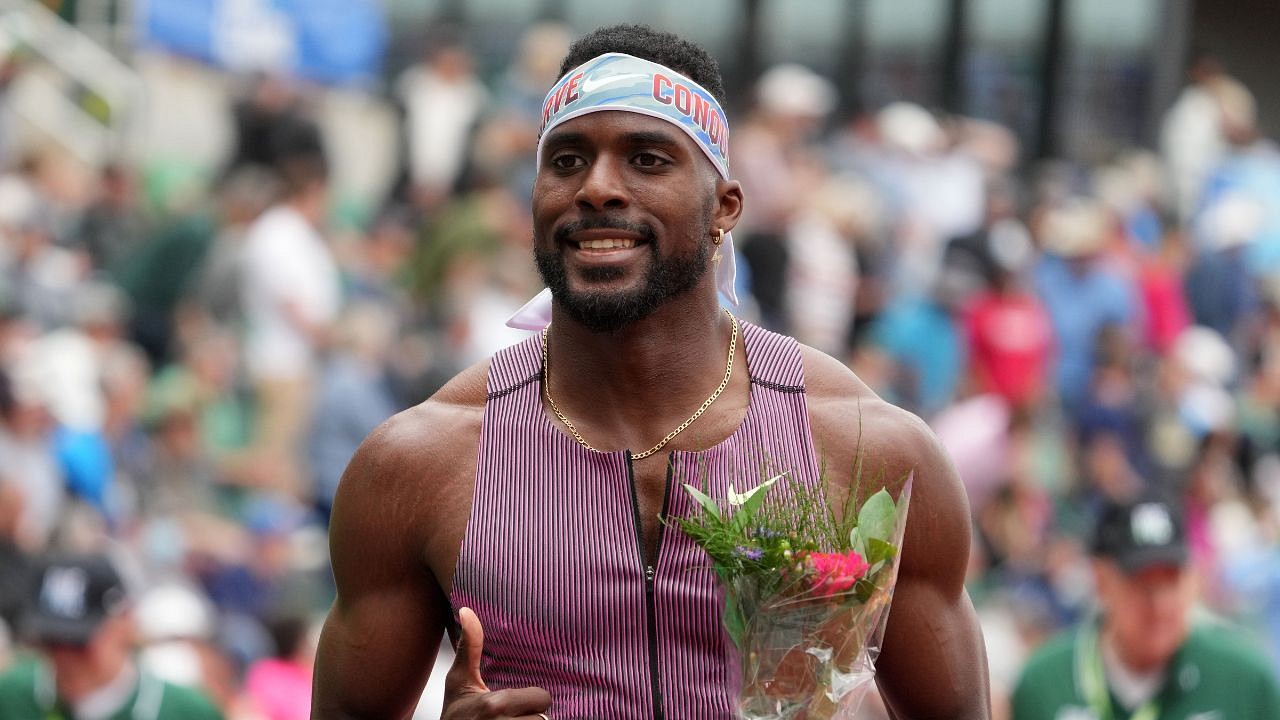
{"type": "Point", "coordinates": [603, 187]}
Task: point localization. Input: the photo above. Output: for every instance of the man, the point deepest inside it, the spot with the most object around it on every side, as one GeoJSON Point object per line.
{"type": "Point", "coordinates": [80, 622]}
{"type": "Point", "coordinates": [291, 292]}
{"type": "Point", "coordinates": [526, 494]}
{"type": "Point", "coordinates": [1145, 658]}
{"type": "Point", "coordinates": [1081, 293]}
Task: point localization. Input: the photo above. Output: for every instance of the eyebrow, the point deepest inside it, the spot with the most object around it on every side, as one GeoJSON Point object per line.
{"type": "Point", "coordinates": [651, 137]}
{"type": "Point", "coordinates": [638, 137]}
{"type": "Point", "coordinates": [564, 138]}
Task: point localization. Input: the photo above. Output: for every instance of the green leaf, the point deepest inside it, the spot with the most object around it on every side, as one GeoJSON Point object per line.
{"type": "Point", "coordinates": [879, 551]}
{"type": "Point", "coordinates": [864, 589]}
{"type": "Point", "coordinates": [706, 502]}
{"type": "Point", "coordinates": [734, 622]}
{"type": "Point", "coordinates": [755, 498]}
{"type": "Point", "coordinates": [856, 544]}
{"type": "Point", "coordinates": [877, 517]}
{"type": "Point", "coordinates": [737, 499]}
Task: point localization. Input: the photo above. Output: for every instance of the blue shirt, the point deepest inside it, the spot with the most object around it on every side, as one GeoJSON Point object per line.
{"type": "Point", "coordinates": [922, 337]}
{"type": "Point", "coordinates": [1080, 306]}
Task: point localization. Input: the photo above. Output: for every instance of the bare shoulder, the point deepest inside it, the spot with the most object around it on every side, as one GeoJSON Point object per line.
{"type": "Point", "coordinates": [849, 419]}
{"type": "Point", "coordinates": [417, 459]}
{"type": "Point", "coordinates": [854, 429]}
{"type": "Point", "coordinates": [427, 437]}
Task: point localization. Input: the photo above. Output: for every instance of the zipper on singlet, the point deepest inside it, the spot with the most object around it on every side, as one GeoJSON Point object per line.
{"type": "Point", "coordinates": [650, 575]}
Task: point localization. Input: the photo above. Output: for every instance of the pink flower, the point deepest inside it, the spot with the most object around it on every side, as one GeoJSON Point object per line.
{"type": "Point", "coordinates": [835, 573]}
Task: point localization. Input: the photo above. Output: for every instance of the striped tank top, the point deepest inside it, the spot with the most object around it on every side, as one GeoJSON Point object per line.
{"type": "Point", "coordinates": [552, 560]}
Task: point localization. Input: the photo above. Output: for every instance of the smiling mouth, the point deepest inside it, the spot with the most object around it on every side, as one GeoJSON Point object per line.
{"type": "Point", "coordinates": [607, 244]}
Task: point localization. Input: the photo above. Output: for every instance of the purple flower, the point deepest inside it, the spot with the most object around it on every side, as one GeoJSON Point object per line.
{"type": "Point", "coordinates": [765, 533]}
{"type": "Point", "coordinates": [753, 554]}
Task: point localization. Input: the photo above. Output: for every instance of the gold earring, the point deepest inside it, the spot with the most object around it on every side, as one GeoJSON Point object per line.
{"type": "Point", "coordinates": [719, 237]}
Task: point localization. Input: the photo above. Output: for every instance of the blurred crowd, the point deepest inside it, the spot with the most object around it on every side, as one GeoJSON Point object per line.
{"type": "Point", "coordinates": [185, 369]}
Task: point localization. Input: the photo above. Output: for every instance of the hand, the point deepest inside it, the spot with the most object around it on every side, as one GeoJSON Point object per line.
{"type": "Point", "coordinates": [467, 697]}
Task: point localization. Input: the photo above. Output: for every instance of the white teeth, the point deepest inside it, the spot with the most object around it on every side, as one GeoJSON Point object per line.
{"type": "Point", "coordinates": [607, 244]}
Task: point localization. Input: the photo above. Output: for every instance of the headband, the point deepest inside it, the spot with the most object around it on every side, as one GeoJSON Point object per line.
{"type": "Point", "coordinates": [616, 81]}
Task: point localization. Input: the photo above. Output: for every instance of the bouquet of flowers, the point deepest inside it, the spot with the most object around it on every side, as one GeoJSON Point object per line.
{"type": "Point", "coordinates": [806, 589]}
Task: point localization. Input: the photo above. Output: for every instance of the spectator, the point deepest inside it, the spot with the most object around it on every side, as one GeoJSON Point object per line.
{"type": "Point", "coordinates": [81, 621]}
{"type": "Point", "coordinates": [1192, 138]}
{"type": "Point", "coordinates": [30, 479]}
{"type": "Point", "coordinates": [353, 397]}
{"type": "Point", "coordinates": [923, 336]}
{"type": "Point", "coordinates": [768, 152]}
{"type": "Point", "coordinates": [272, 126]}
{"type": "Point", "coordinates": [1009, 334]}
{"type": "Point", "coordinates": [1081, 295]}
{"type": "Point", "coordinates": [442, 99]}
{"type": "Point", "coordinates": [291, 296]}
{"type": "Point", "coordinates": [114, 223]}
{"type": "Point", "coordinates": [1220, 285]}
{"type": "Point", "coordinates": [1146, 655]}
{"type": "Point", "coordinates": [280, 686]}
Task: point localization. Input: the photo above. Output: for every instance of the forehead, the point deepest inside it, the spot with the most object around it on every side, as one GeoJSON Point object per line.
{"type": "Point", "coordinates": [1152, 577]}
{"type": "Point", "coordinates": [607, 127]}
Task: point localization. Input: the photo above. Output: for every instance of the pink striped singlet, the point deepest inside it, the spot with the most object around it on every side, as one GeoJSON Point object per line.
{"type": "Point", "coordinates": [552, 561]}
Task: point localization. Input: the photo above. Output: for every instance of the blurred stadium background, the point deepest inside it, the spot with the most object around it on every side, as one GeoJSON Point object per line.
{"type": "Point", "coordinates": [1049, 227]}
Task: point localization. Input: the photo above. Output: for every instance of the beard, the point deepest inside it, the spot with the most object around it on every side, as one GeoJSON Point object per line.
{"type": "Point", "coordinates": [609, 310]}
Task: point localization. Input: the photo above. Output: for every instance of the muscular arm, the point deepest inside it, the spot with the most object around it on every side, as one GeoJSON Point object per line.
{"type": "Point", "coordinates": [380, 638]}
{"type": "Point", "coordinates": [933, 662]}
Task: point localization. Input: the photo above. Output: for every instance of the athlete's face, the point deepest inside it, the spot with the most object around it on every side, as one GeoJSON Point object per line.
{"type": "Point", "coordinates": [625, 207]}
{"type": "Point", "coordinates": [1147, 613]}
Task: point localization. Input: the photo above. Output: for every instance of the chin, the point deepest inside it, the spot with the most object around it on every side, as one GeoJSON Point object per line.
{"type": "Point", "coordinates": [1157, 655]}
{"type": "Point", "coordinates": [605, 311]}
{"type": "Point", "coordinates": [606, 299]}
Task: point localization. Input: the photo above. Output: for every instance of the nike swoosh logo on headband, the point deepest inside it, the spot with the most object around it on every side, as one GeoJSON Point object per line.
{"type": "Point", "coordinates": [590, 85]}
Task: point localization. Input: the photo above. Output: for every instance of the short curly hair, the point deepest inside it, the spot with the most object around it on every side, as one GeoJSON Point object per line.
{"type": "Point", "coordinates": [657, 46]}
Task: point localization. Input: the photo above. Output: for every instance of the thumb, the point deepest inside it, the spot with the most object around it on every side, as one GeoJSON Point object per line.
{"type": "Point", "coordinates": [470, 648]}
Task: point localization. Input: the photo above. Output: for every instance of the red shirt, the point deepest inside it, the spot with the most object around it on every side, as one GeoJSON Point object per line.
{"type": "Point", "coordinates": [1010, 341]}
{"type": "Point", "coordinates": [1164, 304]}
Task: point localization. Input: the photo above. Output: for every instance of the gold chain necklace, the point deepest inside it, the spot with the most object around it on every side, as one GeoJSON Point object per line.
{"type": "Point", "coordinates": [728, 373]}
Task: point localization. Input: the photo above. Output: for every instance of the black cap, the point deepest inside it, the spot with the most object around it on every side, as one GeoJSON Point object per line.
{"type": "Point", "coordinates": [71, 596]}
{"type": "Point", "coordinates": [1141, 533]}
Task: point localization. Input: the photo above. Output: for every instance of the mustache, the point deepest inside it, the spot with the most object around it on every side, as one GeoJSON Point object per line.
{"type": "Point", "coordinates": [604, 222]}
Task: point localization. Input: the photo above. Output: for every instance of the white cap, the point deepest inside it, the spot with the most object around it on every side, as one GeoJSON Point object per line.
{"type": "Point", "coordinates": [795, 90]}
{"type": "Point", "coordinates": [174, 610]}
{"type": "Point", "coordinates": [1233, 220]}
{"type": "Point", "coordinates": [910, 128]}
{"type": "Point", "coordinates": [1204, 354]}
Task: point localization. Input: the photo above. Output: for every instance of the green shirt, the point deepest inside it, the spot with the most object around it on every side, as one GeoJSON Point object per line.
{"type": "Point", "coordinates": [26, 693]}
{"type": "Point", "coordinates": [1215, 675]}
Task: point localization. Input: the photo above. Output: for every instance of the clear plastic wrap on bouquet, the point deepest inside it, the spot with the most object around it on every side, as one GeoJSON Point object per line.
{"type": "Point", "coordinates": [808, 644]}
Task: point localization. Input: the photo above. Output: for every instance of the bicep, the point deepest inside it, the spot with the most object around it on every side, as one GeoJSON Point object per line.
{"type": "Point", "coordinates": [380, 639]}
{"type": "Point", "coordinates": [933, 662]}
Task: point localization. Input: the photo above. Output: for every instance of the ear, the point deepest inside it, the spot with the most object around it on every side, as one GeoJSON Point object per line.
{"type": "Point", "coordinates": [728, 204]}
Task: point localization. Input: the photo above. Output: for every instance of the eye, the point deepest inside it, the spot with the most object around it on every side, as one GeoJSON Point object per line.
{"type": "Point", "coordinates": [649, 159]}
{"type": "Point", "coordinates": [567, 161]}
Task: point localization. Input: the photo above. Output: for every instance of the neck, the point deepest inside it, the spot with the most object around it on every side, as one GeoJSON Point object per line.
{"type": "Point", "coordinates": [1113, 651]}
{"type": "Point", "coordinates": [75, 682]}
{"type": "Point", "coordinates": [307, 206]}
{"type": "Point", "coordinates": [636, 383]}
{"type": "Point", "coordinates": [672, 344]}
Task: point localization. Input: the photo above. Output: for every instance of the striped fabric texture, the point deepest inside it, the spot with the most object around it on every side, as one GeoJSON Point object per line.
{"type": "Point", "coordinates": [552, 560]}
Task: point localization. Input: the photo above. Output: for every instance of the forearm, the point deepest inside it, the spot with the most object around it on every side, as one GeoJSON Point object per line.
{"type": "Point", "coordinates": [934, 663]}
{"type": "Point", "coordinates": [366, 674]}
